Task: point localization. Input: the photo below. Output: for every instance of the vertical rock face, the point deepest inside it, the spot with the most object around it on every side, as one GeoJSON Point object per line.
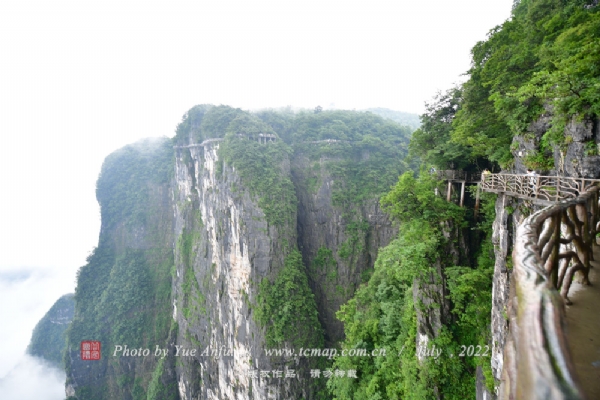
{"type": "Point", "coordinates": [581, 157]}
{"type": "Point", "coordinates": [338, 245]}
{"type": "Point", "coordinates": [510, 212]}
{"type": "Point", "coordinates": [224, 249]}
{"type": "Point", "coordinates": [578, 156]}
{"type": "Point", "coordinates": [502, 238]}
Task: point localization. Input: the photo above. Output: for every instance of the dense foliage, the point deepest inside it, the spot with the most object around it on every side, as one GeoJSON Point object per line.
{"type": "Point", "coordinates": [123, 186]}
{"type": "Point", "coordinates": [123, 292]}
{"type": "Point", "coordinates": [347, 159]}
{"type": "Point", "coordinates": [206, 121]}
{"type": "Point", "coordinates": [48, 340]}
{"type": "Point", "coordinates": [363, 153]}
{"type": "Point", "coordinates": [366, 155]}
{"type": "Point", "coordinates": [260, 168]}
{"type": "Point", "coordinates": [542, 61]}
{"type": "Point", "coordinates": [287, 307]}
{"type": "Point", "coordinates": [383, 313]}
{"type": "Point", "coordinates": [432, 143]}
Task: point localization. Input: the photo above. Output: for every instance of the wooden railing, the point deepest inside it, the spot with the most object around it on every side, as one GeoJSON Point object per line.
{"type": "Point", "coordinates": [550, 247]}
{"type": "Point", "coordinates": [541, 189]}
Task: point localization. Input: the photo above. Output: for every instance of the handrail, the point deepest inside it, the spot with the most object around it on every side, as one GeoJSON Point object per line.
{"type": "Point", "coordinates": [262, 138]}
{"type": "Point", "coordinates": [541, 189]}
{"type": "Point", "coordinates": [537, 362]}
{"type": "Point", "coordinates": [204, 143]}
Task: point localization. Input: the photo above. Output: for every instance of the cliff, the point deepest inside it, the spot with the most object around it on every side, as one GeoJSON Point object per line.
{"type": "Point", "coordinates": [123, 294]}
{"type": "Point", "coordinates": [226, 246]}
{"type": "Point", "coordinates": [233, 238]}
{"type": "Point", "coordinates": [339, 240]}
{"type": "Point", "coordinates": [49, 335]}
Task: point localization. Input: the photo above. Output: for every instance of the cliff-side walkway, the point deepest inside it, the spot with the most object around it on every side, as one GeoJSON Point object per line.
{"type": "Point", "coordinates": [550, 247]}
{"type": "Point", "coordinates": [544, 190]}
{"type": "Point", "coordinates": [583, 330]}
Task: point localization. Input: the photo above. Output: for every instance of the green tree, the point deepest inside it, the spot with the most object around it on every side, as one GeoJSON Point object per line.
{"type": "Point", "coordinates": [541, 61]}
{"type": "Point", "coordinates": [431, 142]}
{"type": "Point", "coordinates": [287, 307]}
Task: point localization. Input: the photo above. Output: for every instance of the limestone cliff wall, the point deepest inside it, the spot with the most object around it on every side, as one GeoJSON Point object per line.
{"type": "Point", "coordinates": [577, 157]}
{"type": "Point", "coordinates": [224, 249]}
{"type": "Point", "coordinates": [502, 237]}
{"type": "Point", "coordinates": [350, 236]}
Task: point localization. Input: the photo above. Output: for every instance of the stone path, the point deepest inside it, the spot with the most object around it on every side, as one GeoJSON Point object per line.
{"type": "Point", "coordinates": [583, 330]}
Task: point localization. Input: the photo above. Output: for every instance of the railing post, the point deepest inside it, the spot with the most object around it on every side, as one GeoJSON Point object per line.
{"type": "Point", "coordinates": [594, 217]}
{"type": "Point", "coordinates": [476, 211]}
{"type": "Point", "coordinates": [556, 250]}
{"type": "Point", "coordinates": [449, 190]}
{"type": "Point", "coordinates": [557, 188]}
{"type": "Point", "coordinates": [462, 192]}
{"type": "Point", "coordinates": [537, 186]}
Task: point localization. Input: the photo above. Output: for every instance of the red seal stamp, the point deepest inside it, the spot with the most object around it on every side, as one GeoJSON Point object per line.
{"type": "Point", "coordinates": [91, 350]}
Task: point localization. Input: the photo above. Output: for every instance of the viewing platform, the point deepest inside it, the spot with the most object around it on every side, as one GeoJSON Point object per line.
{"type": "Point", "coordinates": [453, 176]}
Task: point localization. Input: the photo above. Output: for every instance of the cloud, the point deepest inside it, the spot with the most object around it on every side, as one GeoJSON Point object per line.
{"type": "Point", "coordinates": [27, 295]}
{"type": "Point", "coordinates": [33, 379]}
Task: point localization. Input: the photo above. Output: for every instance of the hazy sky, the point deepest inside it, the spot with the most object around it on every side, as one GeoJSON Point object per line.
{"type": "Point", "coordinates": [79, 79]}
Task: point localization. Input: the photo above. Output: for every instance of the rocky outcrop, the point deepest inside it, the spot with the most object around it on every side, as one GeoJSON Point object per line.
{"type": "Point", "coordinates": [510, 212]}
{"type": "Point", "coordinates": [226, 247]}
{"type": "Point", "coordinates": [581, 157]}
{"type": "Point", "coordinates": [578, 156]}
